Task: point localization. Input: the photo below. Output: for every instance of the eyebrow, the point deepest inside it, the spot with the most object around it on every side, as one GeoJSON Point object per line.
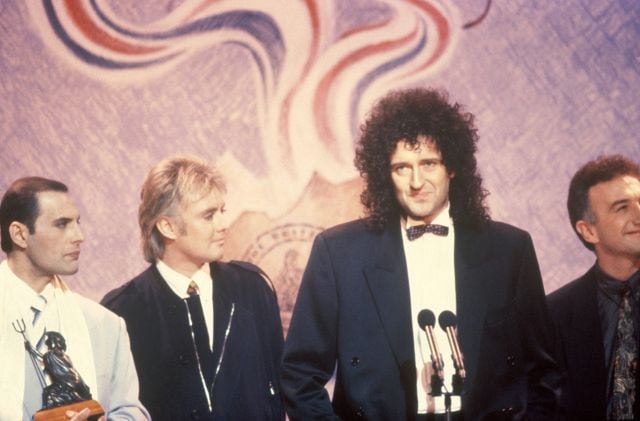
{"type": "Point", "coordinates": [212, 209]}
{"type": "Point", "coordinates": [618, 202]}
{"type": "Point", "coordinates": [63, 219]}
{"type": "Point", "coordinates": [421, 161]}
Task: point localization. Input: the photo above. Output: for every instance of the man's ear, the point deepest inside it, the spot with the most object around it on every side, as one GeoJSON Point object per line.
{"type": "Point", "coordinates": [167, 227]}
{"type": "Point", "coordinates": [587, 232]}
{"type": "Point", "coordinates": [19, 234]}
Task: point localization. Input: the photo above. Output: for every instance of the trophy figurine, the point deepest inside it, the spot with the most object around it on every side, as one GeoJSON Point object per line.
{"type": "Point", "coordinates": [67, 391]}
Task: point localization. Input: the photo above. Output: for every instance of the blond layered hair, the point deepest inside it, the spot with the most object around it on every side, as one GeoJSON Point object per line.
{"type": "Point", "coordinates": [167, 185]}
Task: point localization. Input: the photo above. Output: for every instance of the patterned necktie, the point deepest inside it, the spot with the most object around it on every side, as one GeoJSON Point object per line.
{"type": "Point", "coordinates": [625, 361]}
{"type": "Point", "coordinates": [416, 231]}
{"type": "Point", "coordinates": [193, 289]}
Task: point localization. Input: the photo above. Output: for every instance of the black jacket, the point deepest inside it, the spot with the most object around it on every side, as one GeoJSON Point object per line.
{"type": "Point", "coordinates": [580, 349]}
{"type": "Point", "coordinates": [247, 346]}
{"type": "Point", "coordinates": [354, 308]}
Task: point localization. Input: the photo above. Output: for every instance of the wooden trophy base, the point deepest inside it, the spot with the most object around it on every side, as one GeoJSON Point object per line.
{"type": "Point", "coordinates": [58, 414]}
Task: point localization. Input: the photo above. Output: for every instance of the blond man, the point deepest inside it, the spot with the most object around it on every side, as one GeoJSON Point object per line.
{"type": "Point", "coordinates": [206, 335]}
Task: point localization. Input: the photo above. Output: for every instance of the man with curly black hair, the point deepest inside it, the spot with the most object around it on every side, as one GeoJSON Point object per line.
{"type": "Point", "coordinates": [427, 243]}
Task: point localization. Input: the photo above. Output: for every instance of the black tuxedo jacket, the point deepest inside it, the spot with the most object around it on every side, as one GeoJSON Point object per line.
{"type": "Point", "coordinates": [353, 310]}
{"type": "Point", "coordinates": [246, 353]}
{"type": "Point", "coordinates": [580, 349]}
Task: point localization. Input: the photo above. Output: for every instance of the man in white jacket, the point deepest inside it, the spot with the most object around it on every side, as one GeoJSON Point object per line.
{"type": "Point", "coordinates": [40, 233]}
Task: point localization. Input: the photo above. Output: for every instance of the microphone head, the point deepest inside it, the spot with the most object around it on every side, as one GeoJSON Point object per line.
{"type": "Point", "coordinates": [426, 318]}
{"type": "Point", "coordinates": [447, 319]}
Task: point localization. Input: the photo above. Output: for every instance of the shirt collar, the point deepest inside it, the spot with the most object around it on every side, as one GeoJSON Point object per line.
{"type": "Point", "coordinates": [615, 286]}
{"type": "Point", "coordinates": [22, 292]}
{"type": "Point", "coordinates": [179, 283]}
{"type": "Point", "coordinates": [443, 218]}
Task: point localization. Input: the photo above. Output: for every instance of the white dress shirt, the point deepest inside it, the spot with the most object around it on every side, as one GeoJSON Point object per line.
{"type": "Point", "coordinates": [25, 295]}
{"type": "Point", "coordinates": [431, 271]}
{"type": "Point", "coordinates": [180, 283]}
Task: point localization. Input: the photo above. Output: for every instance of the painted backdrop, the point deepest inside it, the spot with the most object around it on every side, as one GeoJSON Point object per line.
{"type": "Point", "coordinates": [94, 92]}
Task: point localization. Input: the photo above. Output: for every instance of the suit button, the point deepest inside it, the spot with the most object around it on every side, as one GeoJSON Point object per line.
{"type": "Point", "coordinates": [360, 412]}
{"type": "Point", "coordinates": [355, 361]}
{"type": "Point", "coordinates": [511, 360]}
{"type": "Point", "coordinates": [183, 360]}
{"type": "Point", "coordinates": [507, 411]}
{"type": "Point", "coordinates": [195, 415]}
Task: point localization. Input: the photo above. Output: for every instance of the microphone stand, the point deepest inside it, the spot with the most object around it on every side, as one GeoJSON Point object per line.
{"type": "Point", "coordinates": [447, 322]}
{"type": "Point", "coordinates": [456, 383]}
{"type": "Point", "coordinates": [426, 320]}
{"type": "Point", "coordinates": [436, 384]}
{"type": "Point", "coordinates": [447, 406]}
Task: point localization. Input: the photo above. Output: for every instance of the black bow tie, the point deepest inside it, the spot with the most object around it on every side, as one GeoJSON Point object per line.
{"type": "Point", "coordinates": [417, 230]}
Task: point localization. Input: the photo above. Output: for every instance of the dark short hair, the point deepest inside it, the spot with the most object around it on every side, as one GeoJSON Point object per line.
{"type": "Point", "coordinates": [407, 115]}
{"type": "Point", "coordinates": [600, 170]}
{"type": "Point", "coordinates": [20, 203]}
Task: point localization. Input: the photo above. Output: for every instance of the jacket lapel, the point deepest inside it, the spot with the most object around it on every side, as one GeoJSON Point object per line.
{"type": "Point", "coordinates": [221, 310]}
{"type": "Point", "coordinates": [584, 328]}
{"type": "Point", "coordinates": [472, 250]}
{"type": "Point", "coordinates": [229, 349]}
{"type": "Point", "coordinates": [388, 282]}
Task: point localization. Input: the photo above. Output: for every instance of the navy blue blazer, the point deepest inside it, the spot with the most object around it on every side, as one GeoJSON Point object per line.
{"type": "Point", "coordinates": [580, 348]}
{"type": "Point", "coordinates": [246, 354]}
{"type": "Point", "coordinates": [353, 309]}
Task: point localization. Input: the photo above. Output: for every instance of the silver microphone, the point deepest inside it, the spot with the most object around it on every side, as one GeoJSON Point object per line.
{"type": "Point", "coordinates": [447, 321]}
{"type": "Point", "coordinates": [427, 320]}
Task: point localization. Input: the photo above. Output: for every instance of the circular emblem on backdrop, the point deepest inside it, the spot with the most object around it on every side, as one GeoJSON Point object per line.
{"type": "Point", "coordinates": [282, 252]}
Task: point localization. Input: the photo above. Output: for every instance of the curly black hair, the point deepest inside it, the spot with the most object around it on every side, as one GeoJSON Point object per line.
{"type": "Point", "coordinates": [407, 115]}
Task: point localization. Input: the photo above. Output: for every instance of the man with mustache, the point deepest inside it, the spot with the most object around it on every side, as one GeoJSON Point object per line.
{"type": "Point", "coordinates": [206, 335]}
{"type": "Point", "coordinates": [40, 229]}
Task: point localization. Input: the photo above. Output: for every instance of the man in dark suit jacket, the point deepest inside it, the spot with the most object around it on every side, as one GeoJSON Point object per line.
{"type": "Point", "coordinates": [206, 336]}
{"type": "Point", "coordinates": [364, 286]}
{"type": "Point", "coordinates": [604, 209]}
